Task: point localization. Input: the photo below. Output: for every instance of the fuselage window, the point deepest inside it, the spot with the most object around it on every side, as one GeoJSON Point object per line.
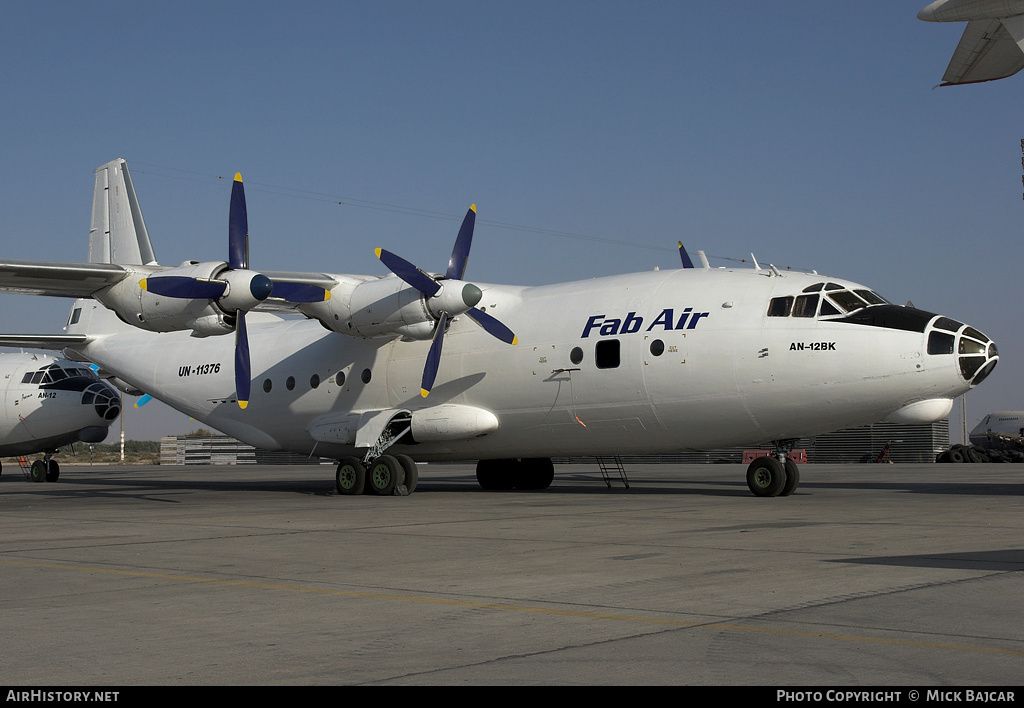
{"type": "Point", "coordinates": [267, 385]}
{"type": "Point", "coordinates": [366, 375]}
{"type": "Point", "coordinates": [940, 343]}
{"type": "Point", "coordinates": [340, 378]}
{"type": "Point", "coordinates": [780, 306]}
{"type": "Point", "coordinates": [657, 347]}
{"type": "Point", "coordinates": [314, 381]}
{"type": "Point", "coordinates": [75, 314]}
{"type": "Point", "coordinates": [606, 354]}
{"type": "Point", "coordinates": [289, 383]}
{"type": "Point", "coordinates": [805, 306]}
{"type": "Point", "coordinates": [576, 355]}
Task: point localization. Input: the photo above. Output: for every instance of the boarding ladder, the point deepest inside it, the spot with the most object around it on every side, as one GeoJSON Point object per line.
{"type": "Point", "coordinates": [609, 465]}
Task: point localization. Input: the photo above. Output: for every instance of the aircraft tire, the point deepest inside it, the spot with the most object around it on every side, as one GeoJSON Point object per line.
{"type": "Point", "coordinates": [534, 474]}
{"type": "Point", "coordinates": [956, 455]}
{"type": "Point", "coordinates": [384, 474]}
{"type": "Point", "coordinates": [37, 472]}
{"type": "Point", "coordinates": [412, 472]}
{"type": "Point", "coordinates": [972, 455]}
{"type": "Point", "coordinates": [495, 475]}
{"type": "Point", "coordinates": [766, 477]}
{"type": "Point", "coordinates": [792, 470]}
{"type": "Point", "coordinates": [350, 479]}
{"type": "Point", "coordinates": [52, 471]}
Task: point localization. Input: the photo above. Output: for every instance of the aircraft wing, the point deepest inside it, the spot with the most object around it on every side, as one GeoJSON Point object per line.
{"type": "Point", "coordinates": [42, 341]}
{"type": "Point", "coordinates": [57, 279]}
{"type": "Point", "coordinates": [987, 51]}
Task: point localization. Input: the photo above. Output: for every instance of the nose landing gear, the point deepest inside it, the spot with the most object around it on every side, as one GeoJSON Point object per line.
{"type": "Point", "coordinates": [774, 475]}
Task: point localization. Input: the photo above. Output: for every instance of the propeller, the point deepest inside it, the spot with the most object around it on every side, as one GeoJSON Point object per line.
{"type": "Point", "coordinates": [447, 296]}
{"type": "Point", "coordinates": [236, 289]}
{"type": "Point", "coordinates": [684, 256]}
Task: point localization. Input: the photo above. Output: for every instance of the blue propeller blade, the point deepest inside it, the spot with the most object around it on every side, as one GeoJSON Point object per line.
{"type": "Point", "coordinates": [460, 254]}
{"type": "Point", "coordinates": [433, 356]}
{"type": "Point", "coordinates": [492, 326]}
{"type": "Point", "coordinates": [238, 227]}
{"type": "Point", "coordinates": [243, 375]}
{"type": "Point", "coordinates": [408, 272]}
{"type": "Point", "coordinates": [143, 400]}
{"type": "Point", "coordinates": [300, 292]}
{"type": "Point", "coordinates": [183, 287]}
{"type": "Point", "coordinates": [684, 256]}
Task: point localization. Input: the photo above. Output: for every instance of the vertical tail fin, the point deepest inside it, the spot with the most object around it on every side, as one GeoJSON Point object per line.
{"type": "Point", "coordinates": [118, 232]}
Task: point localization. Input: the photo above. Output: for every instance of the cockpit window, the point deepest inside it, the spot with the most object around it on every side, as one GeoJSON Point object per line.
{"type": "Point", "coordinates": [806, 306]}
{"type": "Point", "coordinates": [940, 343]}
{"type": "Point", "coordinates": [847, 300]}
{"type": "Point", "coordinates": [780, 306]}
{"type": "Point", "coordinates": [872, 297]}
{"type": "Point", "coordinates": [947, 324]}
{"type": "Point", "coordinates": [814, 288]}
{"type": "Point", "coordinates": [828, 309]}
{"type": "Point", "coordinates": [833, 286]}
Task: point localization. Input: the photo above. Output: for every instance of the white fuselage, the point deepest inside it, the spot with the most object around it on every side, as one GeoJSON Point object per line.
{"type": "Point", "coordinates": [666, 361]}
{"type": "Point", "coordinates": [49, 403]}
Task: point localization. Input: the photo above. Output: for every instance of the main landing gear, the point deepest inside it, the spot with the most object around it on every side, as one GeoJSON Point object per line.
{"type": "Point", "coordinates": [520, 473]}
{"type": "Point", "coordinates": [774, 475]}
{"type": "Point", "coordinates": [384, 476]}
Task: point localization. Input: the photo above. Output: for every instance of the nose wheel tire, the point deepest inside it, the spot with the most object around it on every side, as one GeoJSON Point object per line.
{"type": "Point", "coordinates": [766, 477]}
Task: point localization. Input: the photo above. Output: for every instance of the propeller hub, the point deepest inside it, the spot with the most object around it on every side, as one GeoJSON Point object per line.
{"type": "Point", "coordinates": [471, 294]}
{"type": "Point", "coordinates": [261, 286]}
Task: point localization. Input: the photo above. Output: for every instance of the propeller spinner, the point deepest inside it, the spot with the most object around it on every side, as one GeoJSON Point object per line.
{"type": "Point", "coordinates": [447, 296]}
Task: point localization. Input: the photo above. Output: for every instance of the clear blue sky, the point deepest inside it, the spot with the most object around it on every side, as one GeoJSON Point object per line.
{"type": "Point", "coordinates": [591, 135]}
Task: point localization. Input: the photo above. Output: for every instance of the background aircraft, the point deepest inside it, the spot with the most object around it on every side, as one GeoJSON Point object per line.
{"type": "Point", "coordinates": [374, 370]}
{"type": "Point", "coordinates": [992, 45]}
{"type": "Point", "coordinates": [49, 403]}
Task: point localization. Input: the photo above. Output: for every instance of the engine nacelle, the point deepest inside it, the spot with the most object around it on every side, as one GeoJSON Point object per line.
{"type": "Point", "coordinates": [382, 307]}
{"type": "Point", "coordinates": [159, 313]}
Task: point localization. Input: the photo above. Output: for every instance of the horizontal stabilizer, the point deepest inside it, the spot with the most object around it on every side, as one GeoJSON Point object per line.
{"type": "Point", "coordinates": [42, 341]}
{"type": "Point", "coordinates": [57, 279]}
{"type": "Point", "coordinates": [988, 50]}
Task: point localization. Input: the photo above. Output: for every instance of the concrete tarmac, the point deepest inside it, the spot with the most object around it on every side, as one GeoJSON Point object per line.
{"type": "Point", "coordinates": [869, 575]}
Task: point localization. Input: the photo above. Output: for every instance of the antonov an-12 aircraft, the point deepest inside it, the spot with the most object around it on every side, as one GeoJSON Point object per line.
{"type": "Point", "coordinates": [377, 372]}
{"type": "Point", "coordinates": [49, 403]}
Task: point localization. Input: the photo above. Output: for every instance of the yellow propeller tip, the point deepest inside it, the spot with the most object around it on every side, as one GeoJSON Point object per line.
{"type": "Point", "coordinates": [377, 251]}
{"type": "Point", "coordinates": [243, 404]}
{"type": "Point", "coordinates": [238, 176]}
{"type": "Point", "coordinates": [473, 207]}
{"type": "Point", "coordinates": [515, 340]}
{"type": "Point", "coordinates": [142, 283]}
{"type": "Point", "coordinates": [327, 295]}
{"type": "Point", "coordinates": [424, 392]}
